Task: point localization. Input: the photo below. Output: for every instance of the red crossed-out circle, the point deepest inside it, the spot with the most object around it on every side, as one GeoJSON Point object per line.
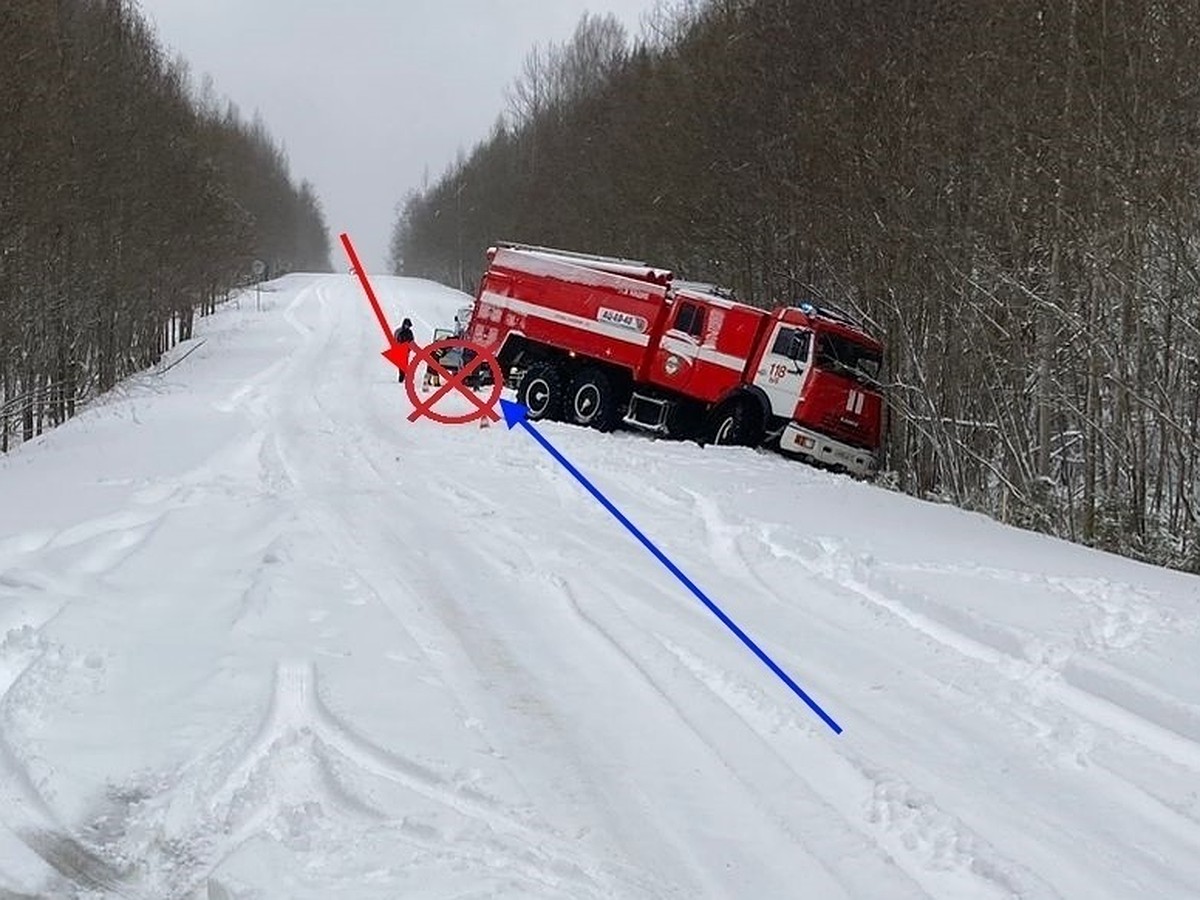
{"type": "Point", "coordinates": [423, 408]}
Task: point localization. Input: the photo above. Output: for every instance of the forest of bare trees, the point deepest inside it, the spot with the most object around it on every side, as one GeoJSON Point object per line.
{"type": "Point", "coordinates": [128, 205]}
{"type": "Point", "coordinates": [1005, 189]}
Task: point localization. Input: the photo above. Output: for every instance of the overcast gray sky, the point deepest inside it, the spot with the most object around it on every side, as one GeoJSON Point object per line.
{"type": "Point", "coordinates": [365, 94]}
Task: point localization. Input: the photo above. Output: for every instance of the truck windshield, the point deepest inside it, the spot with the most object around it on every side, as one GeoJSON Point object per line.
{"type": "Point", "coordinates": [846, 357]}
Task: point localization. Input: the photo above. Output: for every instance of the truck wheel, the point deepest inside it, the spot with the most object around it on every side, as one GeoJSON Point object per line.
{"type": "Point", "coordinates": [541, 392]}
{"type": "Point", "coordinates": [592, 400]}
{"type": "Point", "coordinates": [732, 423]}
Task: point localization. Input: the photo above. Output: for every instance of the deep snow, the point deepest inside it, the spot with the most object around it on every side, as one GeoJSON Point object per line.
{"type": "Point", "coordinates": [262, 637]}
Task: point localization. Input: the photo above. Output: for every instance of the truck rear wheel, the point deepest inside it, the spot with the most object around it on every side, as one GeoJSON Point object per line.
{"type": "Point", "coordinates": [592, 400]}
{"type": "Point", "coordinates": [733, 423]}
{"type": "Point", "coordinates": [541, 391]}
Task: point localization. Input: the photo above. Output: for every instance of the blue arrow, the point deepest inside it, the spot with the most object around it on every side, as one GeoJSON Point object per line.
{"type": "Point", "coordinates": [516, 414]}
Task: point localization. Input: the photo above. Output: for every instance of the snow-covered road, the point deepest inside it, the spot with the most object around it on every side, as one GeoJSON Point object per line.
{"type": "Point", "coordinates": [262, 637]}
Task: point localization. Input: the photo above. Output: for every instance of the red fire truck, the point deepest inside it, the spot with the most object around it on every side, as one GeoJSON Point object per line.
{"type": "Point", "coordinates": [600, 341]}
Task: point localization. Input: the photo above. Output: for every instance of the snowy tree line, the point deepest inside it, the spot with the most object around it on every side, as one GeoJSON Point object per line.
{"type": "Point", "coordinates": [1005, 189]}
{"type": "Point", "coordinates": [129, 203]}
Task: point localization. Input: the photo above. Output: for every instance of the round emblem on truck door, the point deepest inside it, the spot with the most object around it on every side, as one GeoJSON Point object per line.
{"type": "Point", "coordinates": [672, 364]}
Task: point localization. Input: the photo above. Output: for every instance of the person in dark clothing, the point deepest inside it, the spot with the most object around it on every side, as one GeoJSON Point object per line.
{"type": "Point", "coordinates": [404, 335]}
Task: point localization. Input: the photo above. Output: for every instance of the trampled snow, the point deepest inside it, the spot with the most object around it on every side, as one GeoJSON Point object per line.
{"type": "Point", "coordinates": [263, 637]}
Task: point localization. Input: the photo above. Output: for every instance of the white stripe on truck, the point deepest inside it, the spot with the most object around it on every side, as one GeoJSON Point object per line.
{"type": "Point", "coordinates": [616, 332]}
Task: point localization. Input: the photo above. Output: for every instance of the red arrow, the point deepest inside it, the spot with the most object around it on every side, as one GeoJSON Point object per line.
{"type": "Point", "coordinates": [396, 354]}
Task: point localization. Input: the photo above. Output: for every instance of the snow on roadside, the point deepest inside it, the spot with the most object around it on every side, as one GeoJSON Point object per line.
{"type": "Point", "coordinates": [261, 636]}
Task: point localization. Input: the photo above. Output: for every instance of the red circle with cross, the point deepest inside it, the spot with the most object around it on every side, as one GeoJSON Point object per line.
{"type": "Point", "coordinates": [423, 408]}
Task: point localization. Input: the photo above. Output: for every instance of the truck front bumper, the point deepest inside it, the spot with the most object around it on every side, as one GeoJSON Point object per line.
{"type": "Point", "coordinates": [825, 451]}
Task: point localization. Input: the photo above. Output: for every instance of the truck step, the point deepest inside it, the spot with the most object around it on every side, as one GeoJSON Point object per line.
{"type": "Point", "coordinates": [648, 413]}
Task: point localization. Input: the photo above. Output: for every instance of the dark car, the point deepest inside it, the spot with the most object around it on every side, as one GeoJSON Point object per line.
{"type": "Point", "coordinates": [454, 358]}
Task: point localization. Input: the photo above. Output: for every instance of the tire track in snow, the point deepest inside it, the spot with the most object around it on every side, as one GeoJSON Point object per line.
{"type": "Point", "coordinates": [994, 646]}
{"type": "Point", "coordinates": [301, 411]}
{"type": "Point", "coordinates": [24, 812]}
{"type": "Point", "coordinates": [786, 797]}
{"type": "Point", "coordinates": [65, 566]}
{"type": "Point", "coordinates": [44, 586]}
{"type": "Point", "coordinates": [807, 824]}
{"type": "Point", "coordinates": [81, 872]}
{"type": "Point", "coordinates": [839, 569]}
{"type": "Point", "coordinates": [473, 648]}
{"type": "Point", "coordinates": [254, 393]}
{"type": "Point", "coordinates": [935, 849]}
{"type": "Point", "coordinates": [563, 858]}
{"type": "Point", "coordinates": [297, 723]}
